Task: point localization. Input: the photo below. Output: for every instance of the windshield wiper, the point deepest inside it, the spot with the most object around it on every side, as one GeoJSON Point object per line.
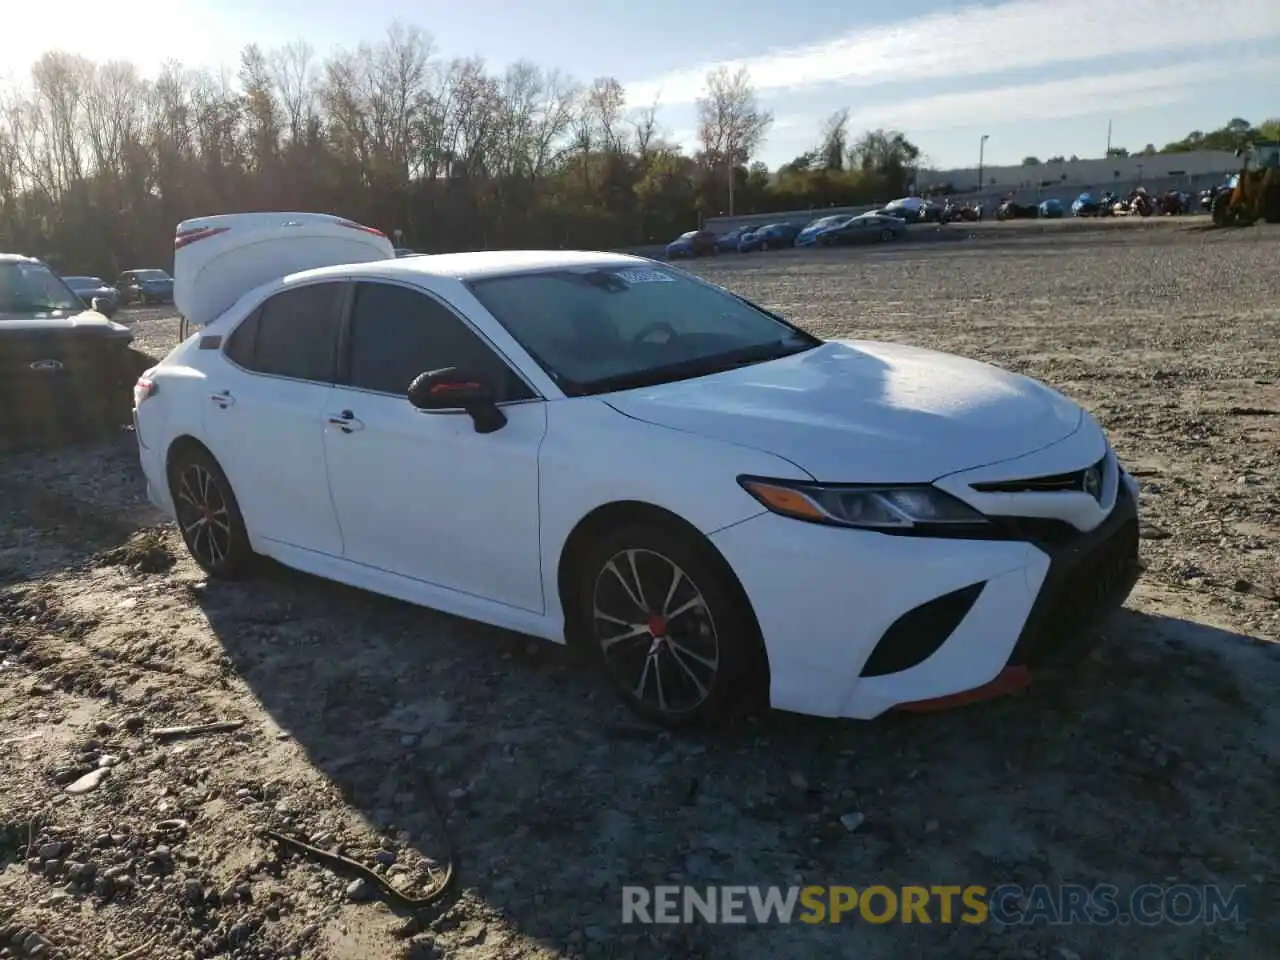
{"type": "Point", "coordinates": [697, 367]}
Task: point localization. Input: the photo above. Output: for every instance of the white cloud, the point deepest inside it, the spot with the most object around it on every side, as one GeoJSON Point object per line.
{"type": "Point", "coordinates": [976, 40]}
{"type": "Point", "coordinates": [1077, 97]}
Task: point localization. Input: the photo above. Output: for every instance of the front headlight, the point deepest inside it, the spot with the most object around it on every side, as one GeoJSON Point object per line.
{"type": "Point", "coordinates": [885, 508]}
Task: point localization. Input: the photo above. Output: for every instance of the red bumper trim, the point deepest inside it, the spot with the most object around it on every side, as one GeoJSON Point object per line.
{"type": "Point", "coordinates": [1009, 680]}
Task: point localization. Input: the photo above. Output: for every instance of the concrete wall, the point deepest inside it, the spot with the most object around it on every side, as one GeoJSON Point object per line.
{"type": "Point", "coordinates": [1089, 173]}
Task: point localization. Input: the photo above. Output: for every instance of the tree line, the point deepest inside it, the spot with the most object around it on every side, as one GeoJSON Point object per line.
{"type": "Point", "coordinates": [97, 163]}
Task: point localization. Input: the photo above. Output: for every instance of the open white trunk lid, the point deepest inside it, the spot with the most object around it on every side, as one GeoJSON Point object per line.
{"type": "Point", "coordinates": [217, 260]}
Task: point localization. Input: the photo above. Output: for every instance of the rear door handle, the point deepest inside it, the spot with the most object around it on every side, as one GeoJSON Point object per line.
{"type": "Point", "coordinates": [346, 421]}
{"type": "Point", "coordinates": [222, 398]}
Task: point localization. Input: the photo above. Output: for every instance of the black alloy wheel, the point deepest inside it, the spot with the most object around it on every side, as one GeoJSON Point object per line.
{"type": "Point", "coordinates": [209, 515]}
{"type": "Point", "coordinates": [662, 618]}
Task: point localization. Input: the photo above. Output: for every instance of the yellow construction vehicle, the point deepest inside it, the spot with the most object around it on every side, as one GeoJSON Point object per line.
{"type": "Point", "coordinates": [1254, 193]}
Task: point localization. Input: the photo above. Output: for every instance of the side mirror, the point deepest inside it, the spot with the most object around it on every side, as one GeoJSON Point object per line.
{"type": "Point", "coordinates": [103, 306]}
{"type": "Point", "coordinates": [454, 389]}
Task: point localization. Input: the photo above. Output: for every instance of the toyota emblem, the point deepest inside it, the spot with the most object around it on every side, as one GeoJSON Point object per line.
{"type": "Point", "coordinates": [47, 366]}
{"type": "Point", "coordinates": [1093, 482]}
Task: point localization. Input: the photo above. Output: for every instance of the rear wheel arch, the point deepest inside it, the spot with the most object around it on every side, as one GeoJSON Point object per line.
{"type": "Point", "coordinates": [181, 445]}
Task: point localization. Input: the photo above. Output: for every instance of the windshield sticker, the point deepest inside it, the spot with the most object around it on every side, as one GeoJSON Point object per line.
{"type": "Point", "coordinates": [645, 275]}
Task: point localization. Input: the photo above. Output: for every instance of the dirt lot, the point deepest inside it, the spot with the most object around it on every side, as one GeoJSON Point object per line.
{"type": "Point", "coordinates": [1153, 762]}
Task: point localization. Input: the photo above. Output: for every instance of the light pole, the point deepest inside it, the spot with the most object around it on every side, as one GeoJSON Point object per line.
{"type": "Point", "coordinates": [982, 150]}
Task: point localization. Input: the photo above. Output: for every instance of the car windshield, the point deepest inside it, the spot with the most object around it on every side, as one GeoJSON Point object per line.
{"type": "Point", "coordinates": [34, 288]}
{"type": "Point", "coordinates": [150, 275]}
{"type": "Point", "coordinates": [824, 222]}
{"type": "Point", "coordinates": [610, 327]}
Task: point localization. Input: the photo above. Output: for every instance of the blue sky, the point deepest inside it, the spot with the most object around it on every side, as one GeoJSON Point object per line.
{"type": "Point", "coordinates": [1040, 77]}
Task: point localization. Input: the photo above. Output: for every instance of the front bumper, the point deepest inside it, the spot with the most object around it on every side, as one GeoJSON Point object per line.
{"type": "Point", "coordinates": [856, 623]}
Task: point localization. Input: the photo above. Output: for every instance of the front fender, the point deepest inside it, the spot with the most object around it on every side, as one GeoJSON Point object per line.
{"type": "Point", "coordinates": [593, 456]}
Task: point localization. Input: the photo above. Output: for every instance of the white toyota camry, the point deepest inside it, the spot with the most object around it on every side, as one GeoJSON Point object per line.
{"type": "Point", "coordinates": [602, 450]}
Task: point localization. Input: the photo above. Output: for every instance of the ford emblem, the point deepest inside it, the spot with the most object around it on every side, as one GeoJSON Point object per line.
{"type": "Point", "coordinates": [47, 366]}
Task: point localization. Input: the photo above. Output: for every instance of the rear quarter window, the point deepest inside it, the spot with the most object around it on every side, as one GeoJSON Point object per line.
{"type": "Point", "coordinates": [293, 334]}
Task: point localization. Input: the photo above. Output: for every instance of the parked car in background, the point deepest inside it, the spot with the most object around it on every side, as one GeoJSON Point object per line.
{"type": "Point", "coordinates": [145, 286]}
{"type": "Point", "coordinates": [912, 210]}
{"type": "Point", "coordinates": [1051, 208]}
{"type": "Point", "coordinates": [64, 369]}
{"type": "Point", "coordinates": [89, 289]}
{"type": "Point", "coordinates": [695, 243]}
{"type": "Point", "coordinates": [866, 228]}
{"type": "Point", "coordinates": [808, 236]}
{"type": "Point", "coordinates": [712, 504]}
{"type": "Point", "coordinates": [771, 236]}
{"type": "Point", "coordinates": [728, 242]}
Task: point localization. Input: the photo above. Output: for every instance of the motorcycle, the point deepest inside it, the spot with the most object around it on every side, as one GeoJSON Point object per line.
{"type": "Point", "coordinates": [1140, 203]}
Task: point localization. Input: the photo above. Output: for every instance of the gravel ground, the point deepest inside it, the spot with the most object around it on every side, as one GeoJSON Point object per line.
{"type": "Point", "coordinates": [1152, 762]}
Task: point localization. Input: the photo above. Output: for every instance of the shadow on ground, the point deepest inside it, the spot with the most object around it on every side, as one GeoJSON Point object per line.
{"type": "Point", "coordinates": [557, 799]}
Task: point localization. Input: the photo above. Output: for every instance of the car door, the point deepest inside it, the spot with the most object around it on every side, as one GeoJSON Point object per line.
{"type": "Point", "coordinates": [264, 404]}
{"type": "Point", "coordinates": [422, 494]}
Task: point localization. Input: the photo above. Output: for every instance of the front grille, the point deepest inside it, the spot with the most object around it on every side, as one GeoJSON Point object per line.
{"type": "Point", "coordinates": [1058, 482]}
{"type": "Point", "coordinates": [1075, 596]}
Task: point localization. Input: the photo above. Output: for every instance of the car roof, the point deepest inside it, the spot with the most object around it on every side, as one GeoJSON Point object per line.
{"type": "Point", "coordinates": [473, 266]}
{"type": "Point", "coordinates": [18, 258]}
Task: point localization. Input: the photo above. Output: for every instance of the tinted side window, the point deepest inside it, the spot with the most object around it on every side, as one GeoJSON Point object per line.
{"type": "Point", "coordinates": [297, 333]}
{"type": "Point", "coordinates": [397, 334]}
{"type": "Point", "coordinates": [239, 348]}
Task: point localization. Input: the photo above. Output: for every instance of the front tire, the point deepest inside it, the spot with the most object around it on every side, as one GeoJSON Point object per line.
{"type": "Point", "coordinates": [209, 516]}
{"type": "Point", "coordinates": [664, 620]}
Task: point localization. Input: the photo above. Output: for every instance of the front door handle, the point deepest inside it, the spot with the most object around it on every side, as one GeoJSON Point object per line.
{"type": "Point", "coordinates": [346, 421]}
{"type": "Point", "coordinates": [222, 398]}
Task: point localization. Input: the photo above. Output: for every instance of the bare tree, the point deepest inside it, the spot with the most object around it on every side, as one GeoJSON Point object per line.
{"type": "Point", "coordinates": [731, 123]}
{"type": "Point", "coordinates": [835, 140]}
{"type": "Point", "coordinates": [292, 71]}
{"type": "Point", "coordinates": [644, 126]}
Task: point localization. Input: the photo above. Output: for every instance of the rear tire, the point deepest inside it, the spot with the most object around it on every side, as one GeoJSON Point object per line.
{"type": "Point", "coordinates": [666, 624]}
{"type": "Point", "coordinates": [886, 236]}
{"type": "Point", "coordinates": [209, 515]}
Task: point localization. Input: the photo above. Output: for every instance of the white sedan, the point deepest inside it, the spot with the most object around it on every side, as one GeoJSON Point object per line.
{"type": "Point", "coordinates": [602, 450]}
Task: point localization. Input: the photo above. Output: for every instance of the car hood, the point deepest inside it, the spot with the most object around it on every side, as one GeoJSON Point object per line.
{"type": "Point", "coordinates": [83, 323]}
{"type": "Point", "coordinates": [866, 412]}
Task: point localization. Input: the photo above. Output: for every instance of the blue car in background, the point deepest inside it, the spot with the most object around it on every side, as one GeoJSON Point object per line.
{"type": "Point", "coordinates": [728, 242]}
{"type": "Point", "coordinates": [769, 237]}
{"type": "Point", "coordinates": [812, 233]}
{"type": "Point", "coordinates": [695, 243]}
{"type": "Point", "coordinates": [1052, 209]}
{"type": "Point", "coordinates": [145, 286]}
